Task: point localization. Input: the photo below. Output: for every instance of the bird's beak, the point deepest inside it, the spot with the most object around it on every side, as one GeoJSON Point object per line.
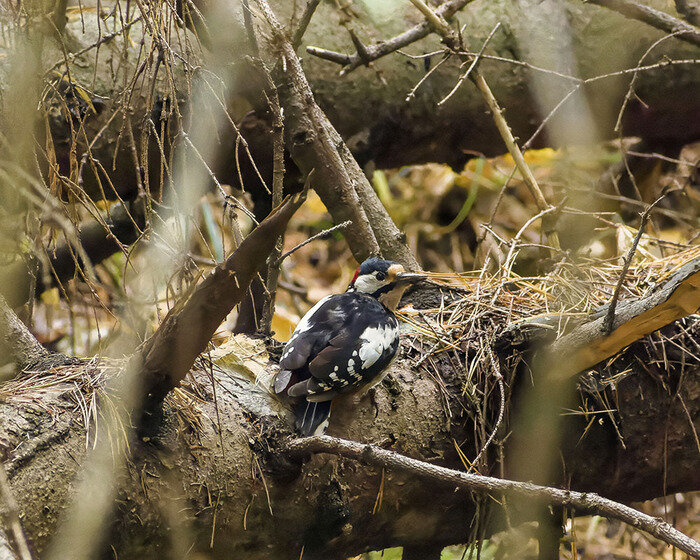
{"type": "Point", "coordinates": [409, 277]}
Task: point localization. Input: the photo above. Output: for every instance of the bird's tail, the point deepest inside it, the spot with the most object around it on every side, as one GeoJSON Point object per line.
{"type": "Point", "coordinates": [312, 417]}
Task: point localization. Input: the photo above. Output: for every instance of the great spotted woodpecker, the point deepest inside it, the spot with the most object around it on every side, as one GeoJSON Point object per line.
{"type": "Point", "coordinates": [345, 342]}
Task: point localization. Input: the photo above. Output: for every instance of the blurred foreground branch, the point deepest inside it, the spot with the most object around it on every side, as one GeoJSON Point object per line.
{"type": "Point", "coordinates": [185, 332]}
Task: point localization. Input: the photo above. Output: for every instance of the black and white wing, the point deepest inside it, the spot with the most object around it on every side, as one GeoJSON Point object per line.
{"type": "Point", "coordinates": [345, 341]}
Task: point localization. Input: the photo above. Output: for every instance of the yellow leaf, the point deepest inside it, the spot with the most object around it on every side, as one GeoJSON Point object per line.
{"type": "Point", "coordinates": [313, 203]}
{"type": "Point", "coordinates": [283, 324]}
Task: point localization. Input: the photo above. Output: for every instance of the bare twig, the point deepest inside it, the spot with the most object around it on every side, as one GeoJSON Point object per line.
{"type": "Point", "coordinates": [610, 315]}
{"type": "Point", "coordinates": [417, 32]}
{"type": "Point", "coordinates": [372, 455]}
{"type": "Point", "coordinates": [332, 56]}
{"type": "Point", "coordinates": [655, 18]}
{"type": "Point", "coordinates": [427, 75]}
{"type": "Point", "coordinates": [473, 64]}
{"type": "Point", "coordinates": [311, 6]}
{"type": "Point", "coordinates": [277, 187]}
{"type": "Point", "coordinates": [360, 48]}
{"type": "Point", "coordinates": [630, 91]}
{"type": "Point", "coordinates": [501, 410]}
{"type": "Point", "coordinates": [320, 235]}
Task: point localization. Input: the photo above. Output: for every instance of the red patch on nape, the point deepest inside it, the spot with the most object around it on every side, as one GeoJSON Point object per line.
{"type": "Point", "coordinates": [357, 273]}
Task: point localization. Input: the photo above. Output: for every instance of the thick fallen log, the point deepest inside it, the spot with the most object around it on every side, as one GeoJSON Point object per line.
{"type": "Point", "coordinates": [215, 476]}
{"type": "Point", "coordinates": [394, 132]}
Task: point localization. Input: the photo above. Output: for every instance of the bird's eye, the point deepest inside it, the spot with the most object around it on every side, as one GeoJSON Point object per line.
{"type": "Point", "coordinates": [381, 275]}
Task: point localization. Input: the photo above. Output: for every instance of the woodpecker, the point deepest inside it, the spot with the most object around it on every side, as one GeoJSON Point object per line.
{"type": "Point", "coordinates": [344, 343]}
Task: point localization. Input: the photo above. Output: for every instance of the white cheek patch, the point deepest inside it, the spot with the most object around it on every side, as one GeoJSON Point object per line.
{"type": "Point", "coordinates": [375, 341]}
{"type": "Point", "coordinates": [368, 283]}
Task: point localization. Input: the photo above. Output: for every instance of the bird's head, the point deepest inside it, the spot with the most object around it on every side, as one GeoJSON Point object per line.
{"type": "Point", "coordinates": [384, 280]}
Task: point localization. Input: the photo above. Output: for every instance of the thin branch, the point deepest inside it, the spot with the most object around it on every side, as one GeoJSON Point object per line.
{"type": "Point", "coordinates": [360, 48]}
{"type": "Point", "coordinates": [655, 18]}
{"type": "Point", "coordinates": [314, 143]}
{"type": "Point", "coordinates": [630, 91]}
{"type": "Point", "coordinates": [332, 56]}
{"type": "Point", "coordinates": [427, 75]}
{"type": "Point", "coordinates": [321, 235]}
{"type": "Point", "coordinates": [415, 33]}
{"type": "Point", "coordinates": [278, 171]}
{"type": "Point", "coordinates": [610, 315]}
{"type": "Point", "coordinates": [372, 455]}
{"type": "Point", "coordinates": [311, 6]}
{"type": "Point", "coordinates": [452, 41]}
{"type": "Point", "coordinates": [501, 411]}
{"type": "Point", "coordinates": [475, 61]}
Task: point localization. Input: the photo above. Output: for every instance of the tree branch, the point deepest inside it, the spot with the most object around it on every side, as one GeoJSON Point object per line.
{"type": "Point", "coordinates": [416, 33]}
{"type": "Point", "coordinates": [309, 10]}
{"type": "Point", "coordinates": [169, 354]}
{"type": "Point", "coordinates": [277, 188]}
{"type": "Point", "coordinates": [16, 342]}
{"type": "Point", "coordinates": [588, 344]}
{"type": "Point", "coordinates": [325, 234]}
{"type": "Point", "coordinates": [315, 144]}
{"type": "Point", "coordinates": [655, 18]}
{"type": "Point", "coordinates": [372, 455]}
{"type": "Point", "coordinates": [451, 39]}
{"type": "Point", "coordinates": [610, 315]}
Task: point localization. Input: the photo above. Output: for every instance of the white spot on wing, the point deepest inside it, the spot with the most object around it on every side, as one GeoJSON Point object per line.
{"type": "Point", "coordinates": [375, 341]}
